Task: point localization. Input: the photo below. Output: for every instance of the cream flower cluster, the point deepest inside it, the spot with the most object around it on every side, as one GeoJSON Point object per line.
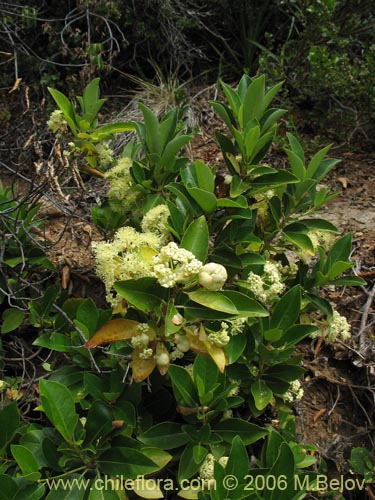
{"type": "Point", "coordinates": [294, 393]}
{"type": "Point", "coordinates": [206, 470]}
{"type": "Point", "coordinates": [121, 192]}
{"type": "Point", "coordinates": [174, 265]}
{"type": "Point", "coordinates": [105, 154]}
{"type": "Point", "coordinates": [321, 238]}
{"type": "Point", "coordinates": [156, 221]}
{"type": "Point", "coordinates": [220, 338]}
{"type": "Point", "coordinates": [269, 286]}
{"type": "Point", "coordinates": [57, 123]}
{"type": "Point", "coordinates": [126, 257]}
{"type": "Point", "coordinates": [337, 329]}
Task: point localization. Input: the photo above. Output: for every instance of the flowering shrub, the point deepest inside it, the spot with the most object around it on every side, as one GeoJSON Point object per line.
{"type": "Point", "coordinates": [209, 291]}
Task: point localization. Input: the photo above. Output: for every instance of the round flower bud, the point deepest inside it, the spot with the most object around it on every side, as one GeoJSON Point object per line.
{"type": "Point", "coordinates": [183, 344]}
{"type": "Point", "coordinates": [162, 359]}
{"type": "Point", "coordinates": [212, 276]}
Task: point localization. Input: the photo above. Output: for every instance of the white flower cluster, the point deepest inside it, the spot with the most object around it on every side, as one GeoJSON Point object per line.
{"type": "Point", "coordinates": [155, 221]}
{"type": "Point", "coordinates": [269, 286]}
{"type": "Point", "coordinates": [105, 154]}
{"type": "Point", "coordinates": [174, 265]}
{"type": "Point", "coordinates": [337, 329]}
{"type": "Point", "coordinates": [57, 123]}
{"type": "Point", "coordinates": [220, 338]}
{"type": "Point", "coordinates": [122, 194]}
{"type": "Point", "coordinates": [294, 393]}
{"type": "Point", "coordinates": [126, 257]}
{"type": "Point", "coordinates": [206, 470]}
{"type": "Point", "coordinates": [321, 238]}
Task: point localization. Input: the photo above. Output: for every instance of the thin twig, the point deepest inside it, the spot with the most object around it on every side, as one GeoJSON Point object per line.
{"type": "Point", "coordinates": [363, 324]}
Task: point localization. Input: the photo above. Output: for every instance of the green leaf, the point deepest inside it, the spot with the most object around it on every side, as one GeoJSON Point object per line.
{"type": "Point", "coordinates": [235, 347]}
{"type": "Point", "coordinates": [206, 374]}
{"type": "Point", "coordinates": [261, 393]}
{"type": "Point", "coordinates": [253, 102]}
{"type": "Point", "coordinates": [59, 407]}
{"type": "Point", "coordinates": [66, 107]}
{"type": "Point", "coordinates": [297, 333]}
{"type": "Point", "coordinates": [214, 300]}
{"type": "Point", "coordinates": [270, 95]}
{"type": "Point", "coordinates": [298, 167]}
{"type": "Point", "coordinates": [232, 427]}
{"type": "Point", "coordinates": [246, 306]}
{"type": "Point", "coordinates": [187, 466]}
{"type": "Point", "coordinates": [348, 281]}
{"type": "Point", "coordinates": [183, 387]}
{"type": "Point", "coordinates": [54, 341]}
{"type": "Point", "coordinates": [9, 423]}
{"type": "Point", "coordinates": [316, 161]}
{"type": "Point", "coordinates": [287, 310]}
{"type": "Point", "coordinates": [88, 314]}
{"type": "Point", "coordinates": [222, 111]}
{"type": "Point", "coordinates": [284, 466]}
{"type": "Point", "coordinates": [300, 240]}
{"type": "Point", "coordinates": [152, 129]}
{"type": "Point", "coordinates": [98, 423]}
{"type": "Point", "coordinates": [238, 465]}
{"type": "Point", "coordinates": [296, 147]}
{"type": "Point", "coordinates": [25, 460]}
{"type": "Point", "coordinates": [196, 238]}
{"type": "Point", "coordinates": [207, 201]}
{"type": "Point", "coordinates": [341, 250]}
{"type": "Point", "coordinates": [126, 461]}
{"type": "Point", "coordinates": [144, 294]}
{"type": "Point", "coordinates": [157, 455]}
{"type": "Point", "coordinates": [166, 435]}
{"type": "Point", "coordinates": [12, 319]}
{"type": "Point", "coordinates": [232, 97]}
{"type": "Point", "coordinates": [321, 225]}
{"type": "Point", "coordinates": [167, 159]}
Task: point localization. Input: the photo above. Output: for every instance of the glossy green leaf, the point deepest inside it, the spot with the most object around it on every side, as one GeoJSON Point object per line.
{"type": "Point", "coordinates": [166, 435]}
{"type": "Point", "coordinates": [88, 314]}
{"type": "Point", "coordinates": [205, 374]}
{"type": "Point", "coordinates": [300, 240]}
{"type": "Point", "coordinates": [59, 407]}
{"type": "Point", "coordinates": [261, 393]}
{"type": "Point", "coordinates": [183, 387]}
{"type": "Point", "coordinates": [9, 423]}
{"type": "Point", "coordinates": [25, 460]}
{"type": "Point", "coordinates": [341, 250]}
{"type": "Point", "coordinates": [287, 310]}
{"type": "Point", "coordinates": [54, 341]}
{"type": "Point", "coordinates": [232, 427]}
{"type": "Point", "coordinates": [196, 238]}
{"type": "Point", "coordinates": [253, 102]}
{"type": "Point", "coordinates": [207, 201]}
{"type": "Point", "coordinates": [12, 319]}
{"type": "Point", "coordinates": [126, 461]}
{"type": "Point", "coordinates": [167, 159]}
{"type": "Point", "coordinates": [187, 466]}
{"type": "Point", "coordinates": [214, 300]}
{"type": "Point", "coordinates": [144, 294]}
{"type": "Point", "coordinates": [66, 107]}
{"type": "Point", "coordinates": [152, 129]}
{"type": "Point", "coordinates": [246, 306]}
{"type": "Point", "coordinates": [316, 161]}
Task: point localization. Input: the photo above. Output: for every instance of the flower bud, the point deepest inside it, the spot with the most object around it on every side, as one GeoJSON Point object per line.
{"type": "Point", "coordinates": [212, 276]}
{"type": "Point", "coordinates": [162, 359]}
